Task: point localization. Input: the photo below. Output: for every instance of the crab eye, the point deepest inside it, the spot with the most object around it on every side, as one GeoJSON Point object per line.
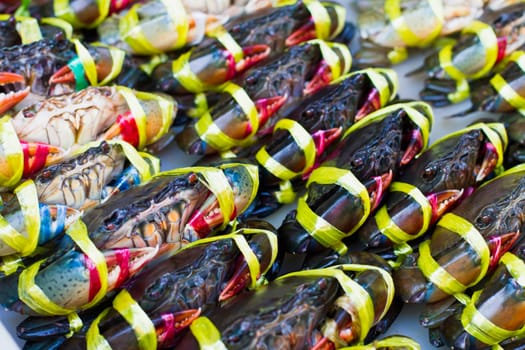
{"type": "Point", "coordinates": [251, 80]}
{"type": "Point", "coordinates": [429, 172]}
{"type": "Point", "coordinates": [357, 162]}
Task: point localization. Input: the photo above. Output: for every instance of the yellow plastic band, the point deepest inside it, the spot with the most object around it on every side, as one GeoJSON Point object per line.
{"type": "Point", "coordinates": [462, 91]}
{"type": "Point", "coordinates": [380, 78]}
{"type": "Point", "coordinates": [13, 153]}
{"type": "Point", "coordinates": [515, 266]}
{"type": "Point", "coordinates": [131, 31]}
{"type": "Point", "coordinates": [507, 92]}
{"type": "Point", "coordinates": [94, 340]}
{"type": "Point", "coordinates": [63, 10]}
{"type": "Point", "coordinates": [28, 29]}
{"type": "Point", "coordinates": [302, 138]}
{"type": "Point", "coordinates": [145, 169]}
{"type": "Point", "coordinates": [480, 327]}
{"type": "Point", "coordinates": [392, 9]}
{"type": "Point", "coordinates": [206, 334]}
{"type": "Point", "coordinates": [214, 136]}
{"type": "Point", "coordinates": [87, 61]}
{"type": "Point", "coordinates": [397, 55]}
{"type": "Point", "coordinates": [215, 180]}
{"type": "Point", "coordinates": [423, 120]}
{"type": "Point", "coordinates": [320, 17]}
{"type": "Point", "coordinates": [253, 172]}
{"type": "Point", "coordinates": [139, 321]}
{"type": "Point", "coordinates": [117, 62]}
{"type": "Point", "coordinates": [391, 343]}
{"type": "Point", "coordinates": [224, 37]}
{"type": "Point", "coordinates": [185, 76]}
{"type": "Point", "coordinates": [388, 227]}
{"type": "Point", "coordinates": [138, 113]}
{"type": "Point", "coordinates": [75, 324]}
{"type": "Point", "coordinates": [59, 23]}
{"type": "Point", "coordinates": [360, 297]}
{"type": "Point", "coordinates": [488, 40]}
{"type": "Point", "coordinates": [10, 264]}
{"type": "Point", "coordinates": [28, 199]}
{"type": "Point", "coordinates": [323, 231]}
{"type": "Point", "coordinates": [286, 193]}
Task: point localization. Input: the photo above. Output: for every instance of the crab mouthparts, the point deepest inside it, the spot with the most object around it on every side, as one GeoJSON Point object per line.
{"type": "Point", "coordinates": [13, 89]}
{"type": "Point", "coordinates": [441, 202]}
{"type": "Point", "coordinates": [252, 55]}
{"type": "Point", "coordinates": [304, 33]}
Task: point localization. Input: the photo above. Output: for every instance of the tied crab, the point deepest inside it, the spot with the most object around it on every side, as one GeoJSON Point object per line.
{"type": "Point", "coordinates": [315, 309]}
{"type": "Point", "coordinates": [502, 92]}
{"type": "Point", "coordinates": [171, 293]}
{"type": "Point", "coordinates": [439, 178]}
{"type": "Point", "coordinates": [467, 243]}
{"type": "Point", "coordinates": [18, 30]}
{"type": "Point", "coordinates": [248, 106]}
{"type": "Point", "coordinates": [241, 43]}
{"type": "Point", "coordinates": [51, 67]}
{"type": "Point", "coordinates": [515, 125]}
{"type": "Point", "coordinates": [69, 121]}
{"type": "Point", "coordinates": [344, 189]}
{"type": "Point", "coordinates": [113, 241]}
{"type": "Point", "coordinates": [320, 120]}
{"type": "Point", "coordinates": [490, 39]}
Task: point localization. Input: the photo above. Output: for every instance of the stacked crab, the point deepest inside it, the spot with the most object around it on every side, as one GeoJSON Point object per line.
{"type": "Point", "coordinates": [104, 250]}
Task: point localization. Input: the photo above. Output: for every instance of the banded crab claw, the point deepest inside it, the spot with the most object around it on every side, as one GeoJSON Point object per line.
{"type": "Point", "coordinates": [493, 212]}
{"type": "Point", "coordinates": [258, 36]}
{"type": "Point", "coordinates": [298, 310]}
{"type": "Point", "coordinates": [248, 107]}
{"type": "Point", "coordinates": [13, 89]}
{"type": "Point", "coordinates": [350, 184]}
{"type": "Point", "coordinates": [84, 280]}
{"type": "Point", "coordinates": [188, 283]}
{"type": "Point", "coordinates": [434, 183]}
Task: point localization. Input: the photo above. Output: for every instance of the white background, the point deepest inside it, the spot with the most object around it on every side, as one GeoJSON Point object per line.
{"type": "Point", "coordinates": [172, 157]}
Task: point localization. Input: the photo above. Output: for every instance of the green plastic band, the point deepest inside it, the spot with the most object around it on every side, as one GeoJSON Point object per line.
{"type": "Point", "coordinates": [139, 321]}
{"type": "Point", "coordinates": [388, 227]}
{"type": "Point", "coordinates": [28, 199]}
{"type": "Point", "coordinates": [14, 156]}
{"type": "Point", "coordinates": [206, 334]}
{"type": "Point", "coordinates": [63, 10]}
{"type": "Point", "coordinates": [214, 136]}
{"type": "Point", "coordinates": [302, 138]}
{"type": "Point", "coordinates": [392, 9]}
{"type": "Point", "coordinates": [323, 231]}
{"type": "Point", "coordinates": [94, 340]}
{"type": "Point", "coordinates": [87, 61]}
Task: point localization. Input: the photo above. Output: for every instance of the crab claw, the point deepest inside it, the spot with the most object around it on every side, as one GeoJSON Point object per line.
{"type": "Point", "coordinates": [252, 55]}
{"type": "Point", "coordinates": [207, 217]}
{"type": "Point", "coordinates": [488, 163]}
{"type": "Point", "coordinates": [38, 155]}
{"type": "Point", "coordinates": [123, 263]}
{"type": "Point", "coordinates": [441, 202]}
{"type": "Point", "coordinates": [239, 281]}
{"type": "Point", "coordinates": [324, 138]}
{"type": "Point", "coordinates": [376, 188]}
{"type": "Point", "coordinates": [322, 77]}
{"type": "Point", "coordinates": [125, 128]}
{"type": "Point", "coordinates": [304, 33]}
{"type": "Point", "coordinates": [168, 325]}
{"type": "Point", "coordinates": [414, 146]}
{"type": "Point", "coordinates": [13, 89]}
{"type": "Point", "coordinates": [118, 5]}
{"type": "Point", "coordinates": [372, 103]}
{"type": "Point", "coordinates": [267, 107]}
{"type": "Point", "coordinates": [499, 245]}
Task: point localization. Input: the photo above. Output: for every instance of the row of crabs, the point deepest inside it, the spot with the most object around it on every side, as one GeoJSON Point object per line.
{"type": "Point", "coordinates": [182, 209]}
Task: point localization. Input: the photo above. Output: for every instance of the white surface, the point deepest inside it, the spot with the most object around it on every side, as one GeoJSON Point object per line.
{"type": "Point", "coordinates": [407, 323]}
